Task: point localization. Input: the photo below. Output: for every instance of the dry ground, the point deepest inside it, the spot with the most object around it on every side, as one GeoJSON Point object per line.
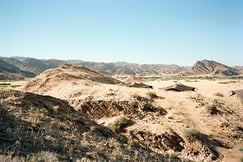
{"type": "Point", "coordinates": [205, 125]}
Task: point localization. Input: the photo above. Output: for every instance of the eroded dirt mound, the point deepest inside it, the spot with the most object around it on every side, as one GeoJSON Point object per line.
{"type": "Point", "coordinates": [136, 108]}
{"type": "Point", "coordinates": [168, 140]}
{"type": "Point", "coordinates": [33, 125]}
{"type": "Point", "coordinates": [202, 147]}
{"type": "Point", "coordinates": [68, 72]}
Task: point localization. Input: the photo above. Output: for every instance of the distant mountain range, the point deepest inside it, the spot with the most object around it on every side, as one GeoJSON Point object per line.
{"type": "Point", "coordinates": [21, 67]}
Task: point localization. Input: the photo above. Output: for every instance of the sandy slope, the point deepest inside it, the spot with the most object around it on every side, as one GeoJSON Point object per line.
{"type": "Point", "coordinates": [185, 110]}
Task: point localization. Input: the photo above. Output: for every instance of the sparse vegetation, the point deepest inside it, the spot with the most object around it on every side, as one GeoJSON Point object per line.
{"type": "Point", "coordinates": [15, 86]}
{"type": "Point", "coordinates": [150, 78]}
{"type": "Point", "coordinates": [4, 85]}
{"type": "Point", "coordinates": [152, 95]}
{"type": "Point", "coordinates": [190, 80]}
{"type": "Point", "coordinates": [139, 107]}
{"type": "Point", "coordinates": [43, 156]}
{"type": "Point", "coordinates": [120, 123]}
{"type": "Point", "coordinates": [202, 143]}
{"type": "Point", "coordinates": [9, 85]}
{"type": "Point", "coordinates": [213, 110]}
{"type": "Point", "coordinates": [228, 82]}
{"type": "Point", "coordinates": [168, 140]}
{"type": "Point", "coordinates": [93, 128]}
{"type": "Point", "coordinates": [212, 78]}
{"type": "Point", "coordinates": [74, 83]}
{"type": "Point", "coordinates": [218, 107]}
{"type": "Point", "coordinates": [193, 134]}
{"type": "Point", "coordinates": [218, 94]}
{"type": "Point", "coordinates": [132, 144]}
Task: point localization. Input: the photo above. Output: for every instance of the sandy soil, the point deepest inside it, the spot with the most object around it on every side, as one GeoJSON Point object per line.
{"type": "Point", "coordinates": [185, 110]}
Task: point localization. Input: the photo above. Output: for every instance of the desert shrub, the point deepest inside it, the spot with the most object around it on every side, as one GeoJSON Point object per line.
{"type": "Point", "coordinates": [153, 154]}
{"type": "Point", "coordinates": [189, 80]}
{"type": "Point", "coordinates": [152, 95]}
{"type": "Point", "coordinates": [111, 92]}
{"type": "Point", "coordinates": [3, 85]}
{"type": "Point", "coordinates": [75, 83]}
{"type": "Point", "coordinates": [15, 86]}
{"type": "Point", "coordinates": [203, 144]}
{"type": "Point", "coordinates": [139, 98]}
{"type": "Point", "coordinates": [150, 78]}
{"type": "Point", "coordinates": [211, 78]}
{"type": "Point", "coordinates": [135, 95]}
{"type": "Point", "coordinates": [132, 144]}
{"type": "Point", "coordinates": [85, 136]}
{"type": "Point", "coordinates": [228, 82]}
{"type": "Point", "coordinates": [40, 156]}
{"type": "Point", "coordinates": [93, 128]}
{"type": "Point", "coordinates": [213, 110]}
{"type": "Point", "coordinates": [192, 135]}
{"type": "Point", "coordinates": [120, 123]}
{"type": "Point", "coordinates": [219, 94]}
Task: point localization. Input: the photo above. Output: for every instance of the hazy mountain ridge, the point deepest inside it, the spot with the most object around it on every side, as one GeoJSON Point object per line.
{"type": "Point", "coordinates": [33, 65]}
{"type": "Point", "coordinates": [22, 67]}
{"type": "Point", "coordinates": [132, 69]}
{"type": "Point", "coordinates": [9, 71]}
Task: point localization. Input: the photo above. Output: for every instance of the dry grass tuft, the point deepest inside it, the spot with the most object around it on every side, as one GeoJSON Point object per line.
{"type": "Point", "coordinates": [213, 110]}
{"type": "Point", "coordinates": [228, 82]}
{"type": "Point", "coordinates": [120, 123]}
{"type": "Point", "coordinates": [152, 95]}
{"type": "Point", "coordinates": [218, 94]}
{"type": "Point", "coordinates": [192, 135]}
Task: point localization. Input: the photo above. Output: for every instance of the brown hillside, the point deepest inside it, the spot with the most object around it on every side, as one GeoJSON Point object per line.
{"type": "Point", "coordinates": [239, 68]}
{"type": "Point", "coordinates": [206, 67]}
{"type": "Point", "coordinates": [68, 72]}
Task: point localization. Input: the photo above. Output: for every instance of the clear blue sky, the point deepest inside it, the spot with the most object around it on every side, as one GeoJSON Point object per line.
{"type": "Point", "coordinates": [138, 31]}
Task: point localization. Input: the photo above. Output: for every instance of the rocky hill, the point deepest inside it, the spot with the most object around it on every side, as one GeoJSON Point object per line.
{"type": "Point", "coordinates": [239, 69]}
{"type": "Point", "coordinates": [213, 68]}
